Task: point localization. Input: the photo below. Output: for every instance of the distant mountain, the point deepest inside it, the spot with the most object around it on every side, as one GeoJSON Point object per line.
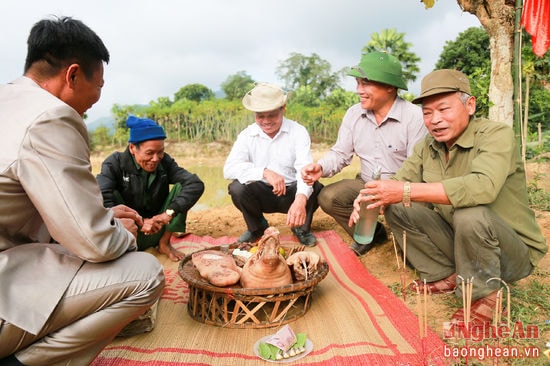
{"type": "Point", "coordinates": [108, 122]}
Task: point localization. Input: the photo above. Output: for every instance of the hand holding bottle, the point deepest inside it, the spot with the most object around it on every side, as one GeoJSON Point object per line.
{"type": "Point", "coordinates": [368, 218]}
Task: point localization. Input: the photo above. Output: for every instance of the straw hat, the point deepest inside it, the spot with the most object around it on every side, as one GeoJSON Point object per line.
{"type": "Point", "coordinates": [264, 97]}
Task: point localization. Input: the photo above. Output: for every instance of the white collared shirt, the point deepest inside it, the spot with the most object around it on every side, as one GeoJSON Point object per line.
{"type": "Point", "coordinates": [285, 154]}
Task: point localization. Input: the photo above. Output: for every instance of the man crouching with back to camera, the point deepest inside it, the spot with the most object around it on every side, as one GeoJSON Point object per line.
{"type": "Point", "coordinates": [71, 276]}
{"type": "Point", "coordinates": [461, 199]}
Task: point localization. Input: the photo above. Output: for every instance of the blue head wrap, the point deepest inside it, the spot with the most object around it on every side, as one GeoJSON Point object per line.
{"type": "Point", "coordinates": [143, 129]}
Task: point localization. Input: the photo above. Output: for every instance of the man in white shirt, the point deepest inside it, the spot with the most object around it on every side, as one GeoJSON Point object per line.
{"type": "Point", "coordinates": [265, 164]}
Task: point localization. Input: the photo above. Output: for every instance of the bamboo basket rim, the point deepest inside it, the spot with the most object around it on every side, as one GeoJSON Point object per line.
{"type": "Point", "coordinates": [190, 274]}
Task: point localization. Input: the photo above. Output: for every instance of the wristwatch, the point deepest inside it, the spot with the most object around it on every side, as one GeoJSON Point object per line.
{"type": "Point", "coordinates": [407, 194]}
{"type": "Point", "coordinates": [170, 212]}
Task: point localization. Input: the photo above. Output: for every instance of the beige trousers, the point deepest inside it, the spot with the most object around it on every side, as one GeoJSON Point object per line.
{"type": "Point", "coordinates": [101, 300]}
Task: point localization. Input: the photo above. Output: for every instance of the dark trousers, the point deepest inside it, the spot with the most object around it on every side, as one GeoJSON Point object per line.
{"type": "Point", "coordinates": [256, 198]}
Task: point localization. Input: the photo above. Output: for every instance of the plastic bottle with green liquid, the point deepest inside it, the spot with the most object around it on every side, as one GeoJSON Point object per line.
{"type": "Point", "coordinates": [368, 218]}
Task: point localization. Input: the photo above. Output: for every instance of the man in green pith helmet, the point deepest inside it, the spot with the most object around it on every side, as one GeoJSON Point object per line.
{"type": "Point", "coordinates": [381, 130]}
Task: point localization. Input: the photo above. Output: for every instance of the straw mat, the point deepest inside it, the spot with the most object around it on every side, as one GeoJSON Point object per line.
{"type": "Point", "coordinates": [353, 320]}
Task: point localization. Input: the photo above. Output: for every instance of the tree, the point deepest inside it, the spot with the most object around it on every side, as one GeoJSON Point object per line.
{"type": "Point", "coordinates": [468, 52]}
{"type": "Point", "coordinates": [479, 82]}
{"type": "Point", "coordinates": [121, 112]}
{"type": "Point", "coordinates": [536, 72]}
{"type": "Point", "coordinates": [388, 40]}
{"type": "Point", "coordinates": [340, 98]}
{"type": "Point", "coordinates": [497, 18]}
{"type": "Point", "coordinates": [194, 92]}
{"type": "Point", "coordinates": [236, 85]}
{"type": "Point", "coordinates": [161, 102]}
{"type": "Point", "coordinates": [308, 71]}
{"type": "Point", "coordinates": [101, 136]}
{"type": "Point", "coordinates": [305, 96]}
{"type": "Point", "coordinates": [121, 136]}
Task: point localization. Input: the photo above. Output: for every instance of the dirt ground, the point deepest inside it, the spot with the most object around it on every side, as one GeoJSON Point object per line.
{"type": "Point", "coordinates": [380, 261]}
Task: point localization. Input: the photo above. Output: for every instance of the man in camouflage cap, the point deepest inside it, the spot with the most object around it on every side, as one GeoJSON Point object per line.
{"type": "Point", "coordinates": [381, 130]}
{"type": "Point", "coordinates": [461, 198]}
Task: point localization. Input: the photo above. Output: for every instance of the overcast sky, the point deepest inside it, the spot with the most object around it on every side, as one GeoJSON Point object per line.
{"type": "Point", "coordinates": [157, 47]}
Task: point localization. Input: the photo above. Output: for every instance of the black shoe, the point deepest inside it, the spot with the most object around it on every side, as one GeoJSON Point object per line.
{"type": "Point", "coordinates": [361, 249]}
{"type": "Point", "coordinates": [380, 237]}
{"type": "Point", "coordinates": [304, 237]}
{"type": "Point", "coordinates": [250, 236]}
{"type": "Point", "coordinates": [253, 236]}
{"type": "Point", "coordinates": [10, 361]}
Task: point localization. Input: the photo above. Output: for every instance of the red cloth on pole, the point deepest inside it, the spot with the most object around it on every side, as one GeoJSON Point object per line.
{"type": "Point", "coordinates": [535, 18]}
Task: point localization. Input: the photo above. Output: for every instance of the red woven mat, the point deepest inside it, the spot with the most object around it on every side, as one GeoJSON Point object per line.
{"type": "Point", "coordinates": [353, 320]}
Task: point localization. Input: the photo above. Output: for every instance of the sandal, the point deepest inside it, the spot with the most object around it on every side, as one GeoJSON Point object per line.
{"type": "Point", "coordinates": [481, 311]}
{"type": "Point", "coordinates": [444, 286]}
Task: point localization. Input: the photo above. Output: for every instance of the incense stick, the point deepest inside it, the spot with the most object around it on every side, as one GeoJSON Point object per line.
{"type": "Point", "coordinates": [469, 284]}
{"type": "Point", "coordinates": [463, 288]}
{"type": "Point", "coordinates": [422, 309]}
{"type": "Point", "coordinates": [498, 308]}
{"type": "Point", "coordinates": [509, 304]}
{"type": "Point", "coordinates": [425, 308]}
{"type": "Point", "coordinates": [508, 300]}
{"type": "Point", "coordinates": [404, 248]}
{"type": "Point", "coordinates": [420, 312]}
{"type": "Point", "coordinates": [395, 251]}
{"type": "Point", "coordinates": [404, 268]}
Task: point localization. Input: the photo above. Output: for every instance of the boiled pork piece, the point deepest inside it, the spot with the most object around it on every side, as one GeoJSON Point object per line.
{"type": "Point", "coordinates": [303, 264]}
{"type": "Point", "coordinates": [267, 268]}
{"type": "Point", "coordinates": [217, 267]}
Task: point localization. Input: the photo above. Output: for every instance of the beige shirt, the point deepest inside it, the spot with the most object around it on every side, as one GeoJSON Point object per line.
{"type": "Point", "coordinates": [47, 191]}
{"type": "Point", "coordinates": [386, 145]}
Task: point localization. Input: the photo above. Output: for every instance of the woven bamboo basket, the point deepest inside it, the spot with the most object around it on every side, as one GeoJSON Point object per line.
{"type": "Point", "coordinates": [238, 307]}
